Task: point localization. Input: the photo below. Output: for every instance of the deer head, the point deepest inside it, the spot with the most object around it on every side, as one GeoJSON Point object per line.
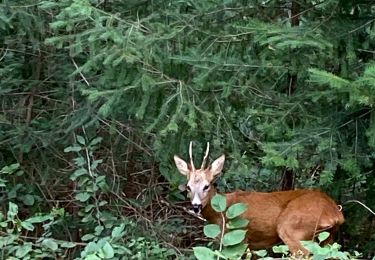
{"type": "Point", "coordinates": [199, 180]}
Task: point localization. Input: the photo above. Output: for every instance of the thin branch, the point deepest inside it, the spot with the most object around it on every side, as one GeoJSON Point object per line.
{"type": "Point", "coordinates": [80, 73]}
{"type": "Point", "coordinates": [5, 53]}
{"type": "Point", "coordinates": [222, 233]}
{"type": "Point", "coordinates": [362, 204]}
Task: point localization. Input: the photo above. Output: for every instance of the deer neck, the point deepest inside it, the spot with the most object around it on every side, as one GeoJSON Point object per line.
{"type": "Point", "coordinates": [208, 212]}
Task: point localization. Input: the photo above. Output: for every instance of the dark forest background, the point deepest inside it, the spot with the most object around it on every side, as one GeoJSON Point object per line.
{"type": "Point", "coordinates": [97, 96]}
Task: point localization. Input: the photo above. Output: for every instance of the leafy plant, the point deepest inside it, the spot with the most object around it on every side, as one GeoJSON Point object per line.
{"type": "Point", "coordinates": [328, 251]}
{"type": "Point", "coordinates": [231, 233]}
{"type": "Point", "coordinates": [319, 252]}
{"type": "Point", "coordinates": [15, 243]}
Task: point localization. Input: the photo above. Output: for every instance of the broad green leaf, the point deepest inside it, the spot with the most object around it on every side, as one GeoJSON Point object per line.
{"type": "Point", "coordinates": [58, 24]}
{"type": "Point", "coordinates": [117, 232]}
{"type": "Point", "coordinates": [92, 257]}
{"type": "Point", "coordinates": [81, 139]}
{"type": "Point", "coordinates": [172, 126]}
{"type": "Point", "coordinates": [28, 199]}
{"type": "Point", "coordinates": [261, 253]}
{"type": "Point", "coordinates": [281, 249]}
{"type": "Point", "coordinates": [13, 210]}
{"type": "Point", "coordinates": [23, 250]}
{"type": "Point", "coordinates": [100, 178]}
{"type": "Point", "coordinates": [50, 243]}
{"type": "Point", "coordinates": [89, 207]}
{"type": "Point", "coordinates": [323, 236]}
{"type": "Point", "coordinates": [87, 237]}
{"type": "Point", "coordinates": [75, 148]}
{"type": "Point", "coordinates": [342, 256]}
{"type": "Point", "coordinates": [322, 251]}
{"type": "Point", "coordinates": [235, 251]}
{"type": "Point", "coordinates": [312, 246]}
{"type": "Point", "coordinates": [335, 246]}
{"type": "Point", "coordinates": [47, 5]}
{"type": "Point", "coordinates": [237, 223]}
{"type": "Point", "coordinates": [39, 219]}
{"type": "Point", "coordinates": [27, 225]}
{"type": "Point", "coordinates": [95, 164]}
{"type": "Point", "coordinates": [203, 253]}
{"type": "Point", "coordinates": [80, 161]}
{"type": "Point", "coordinates": [108, 251]}
{"type": "Point", "coordinates": [211, 230]}
{"type": "Point", "coordinates": [83, 196]}
{"type": "Point", "coordinates": [95, 141]}
{"type": "Point", "coordinates": [219, 203]}
{"type": "Point", "coordinates": [68, 244]}
{"type": "Point", "coordinates": [102, 203]}
{"type": "Point", "coordinates": [234, 237]}
{"type": "Point", "coordinates": [219, 255]}
{"type": "Point", "coordinates": [3, 183]}
{"type": "Point", "coordinates": [98, 230]}
{"type": "Point", "coordinates": [19, 173]}
{"type": "Point", "coordinates": [77, 173]}
{"type": "Point", "coordinates": [9, 169]}
{"type": "Point", "coordinates": [235, 210]}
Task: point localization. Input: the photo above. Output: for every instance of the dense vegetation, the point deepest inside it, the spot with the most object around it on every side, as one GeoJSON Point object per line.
{"type": "Point", "coordinates": [97, 97]}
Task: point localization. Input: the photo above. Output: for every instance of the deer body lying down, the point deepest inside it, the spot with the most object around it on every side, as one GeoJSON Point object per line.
{"type": "Point", "coordinates": [286, 216]}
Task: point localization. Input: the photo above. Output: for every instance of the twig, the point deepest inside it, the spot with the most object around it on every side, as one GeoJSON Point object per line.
{"type": "Point", "coordinates": [127, 138]}
{"type": "Point", "coordinates": [222, 233]}
{"type": "Point", "coordinates": [362, 204]}
{"type": "Point", "coordinates": [88, 157]}
{"type": "Point", "coordinates": [37, 238]}
{"type": "Point", "coordinates": [80, 73]}
{"type": "Point", "coordinates": [5, 53]}
{"type": "Point", "coordinates": [183, 208]}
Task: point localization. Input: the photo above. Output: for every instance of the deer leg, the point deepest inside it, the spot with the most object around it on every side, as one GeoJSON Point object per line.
{"type": "Point", "coordinates": [292, 237]}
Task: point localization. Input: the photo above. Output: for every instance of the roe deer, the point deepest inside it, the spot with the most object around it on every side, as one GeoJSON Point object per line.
{"type": "Point", "coordinates": [286, 216]}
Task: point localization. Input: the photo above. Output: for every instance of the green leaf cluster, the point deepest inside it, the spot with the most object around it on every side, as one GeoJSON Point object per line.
{"type": "Point", "coordinates": [230, 233]}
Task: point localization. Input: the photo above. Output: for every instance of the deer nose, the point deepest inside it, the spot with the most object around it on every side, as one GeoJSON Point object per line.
{"type": "Point", "coordinates": [197, 208]}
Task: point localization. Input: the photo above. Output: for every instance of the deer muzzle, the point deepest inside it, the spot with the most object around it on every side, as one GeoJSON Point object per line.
{"type": "Point", "coordinates": [197, 208]}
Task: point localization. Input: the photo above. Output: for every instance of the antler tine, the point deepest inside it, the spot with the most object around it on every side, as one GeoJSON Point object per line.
{"type": "Point", "coordinates": [191, 156]}
{"type": "Point", "coordinates": [205, 155]}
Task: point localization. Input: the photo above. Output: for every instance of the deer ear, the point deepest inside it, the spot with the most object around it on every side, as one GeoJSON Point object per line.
{"type": "Point", "coordinates": [181, 165]}
{"type": "Point", "coordinates": [217, 166]}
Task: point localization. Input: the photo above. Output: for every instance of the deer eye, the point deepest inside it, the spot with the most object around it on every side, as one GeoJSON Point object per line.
{"type": "Point", "coordinates": [206, 187]}
{"type": "Point", "coordinates": [188, 188]}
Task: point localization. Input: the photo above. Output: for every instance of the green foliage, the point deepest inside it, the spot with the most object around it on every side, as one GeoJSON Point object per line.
{"type": "Point", "coordinates": [212, 230]}
{"type": "Point", "coordinates": [203, 253]}
{"type": "Point", "coordinates": [234, 237]}
{"type": "Point", "coordinates": [14, 244]}
{"type": "Point", "coordinates": [237, 223]}
{"type": "Point", "coordinates": [328, 251]}
{"type": "Point", "coordinates": [97, 97]}
{"type": "Point", "coordinates": [219, 203]}
{"type": "Point", "coordinates": [235, 210]}
{"type": "Point", "coordinates": [232, 244]}
{"type": "Point", "coordinates": [318, 252]}
{"type": "Point", "coordinates": [324, 78]}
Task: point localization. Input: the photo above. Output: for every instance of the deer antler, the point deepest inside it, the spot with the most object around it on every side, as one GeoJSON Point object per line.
{"type": "Point", "coordinates": [206, 155]}
{"type": "Point", "coordinates": [191, 156]}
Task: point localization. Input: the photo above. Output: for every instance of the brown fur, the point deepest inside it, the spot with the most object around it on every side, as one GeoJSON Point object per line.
{"type": "Point", "coordinates": [288, 216]}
